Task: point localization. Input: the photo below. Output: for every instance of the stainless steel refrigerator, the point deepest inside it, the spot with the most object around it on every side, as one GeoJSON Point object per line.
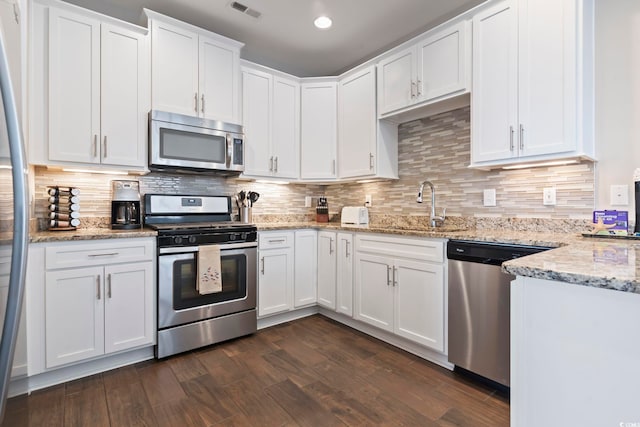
{"type": "Point", "coordinates": [14, 214]}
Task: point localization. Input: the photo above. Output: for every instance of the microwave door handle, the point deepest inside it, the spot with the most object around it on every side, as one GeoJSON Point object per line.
{"type": "Point", "coordinates": [229, 150]}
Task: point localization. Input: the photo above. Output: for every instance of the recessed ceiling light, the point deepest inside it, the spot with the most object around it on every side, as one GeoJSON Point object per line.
{"type": "Point", "coordinates": [323, 22]}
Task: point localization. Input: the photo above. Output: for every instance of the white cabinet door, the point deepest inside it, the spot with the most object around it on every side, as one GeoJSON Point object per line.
{"type": "Point", "coordinates": [397, 86]}
{"type": "Point", "coordinates": [74, 315]}
{"type": "Point", "coordinates": [327, 269]}
{"type": "Point", "coordinates": [285, 137]}
{"type": "Point", "coordinates": [344, 278]}
{"type": "Point", "coordinates": [419, 302]}
{"type": "Point", "coordinates": [318, 130]}
{"type": "Point", "coordinates": [495, 86]}
{"type": "Point", "coordinates": [357, 124]}
{"type": "Point", "coordinates": [373, 291]}
{"type": "Point", "coordinates": [442, 61]}
{"type": "Point", "coordinates": [74, 87]}
{"type": "Point", "coordinates": [174, 52]}
{"type": "Point", "coordinates": [256, 116]}
{"type": "Point", "coordinates": [219, 74]}
{"type": "Point", "coordinates": [306, 271]}
{"type": "Point", "coordinates": [128, 306]}
{"type": "Point", "coordinates": [547, 76]}
{"type": "Point", "coordinates": [275, 281]}
{"type": "Point", "coordinates": [125, 84]}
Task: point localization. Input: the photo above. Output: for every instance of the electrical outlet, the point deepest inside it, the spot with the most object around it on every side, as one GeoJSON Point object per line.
{"type": "Point", "coordinates": [489, 197]}
{"type": "Point", "coordinates": [619, 195]}
{"type": "Point", "coordinates": [549, 196]}
{"type": "Point", "coordinates": [307, 201]}
{"type": "Point", "coordinates": [367, 200]}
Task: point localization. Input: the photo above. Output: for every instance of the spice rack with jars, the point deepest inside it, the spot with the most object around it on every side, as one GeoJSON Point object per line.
{"type": "Point", "coordinates": [64, 208]}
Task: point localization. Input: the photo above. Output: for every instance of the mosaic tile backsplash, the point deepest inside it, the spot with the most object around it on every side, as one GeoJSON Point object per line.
{"type": "Point", "coordinates": [435, 149]}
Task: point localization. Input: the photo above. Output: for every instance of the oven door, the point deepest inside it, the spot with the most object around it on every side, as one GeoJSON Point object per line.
{"type": "Point", "coordinates": [178, 300]}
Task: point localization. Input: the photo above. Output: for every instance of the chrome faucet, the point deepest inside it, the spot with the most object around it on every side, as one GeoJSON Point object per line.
{"type": "Point", "coordinates": [436, 221]}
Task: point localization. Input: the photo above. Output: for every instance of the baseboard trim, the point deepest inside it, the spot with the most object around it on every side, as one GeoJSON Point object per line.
{"type": "Point", "coordinates": [288, 316]}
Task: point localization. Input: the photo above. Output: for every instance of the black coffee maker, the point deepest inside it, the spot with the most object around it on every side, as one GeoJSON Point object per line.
{"type": "Point", "coordinates": [125, 205]}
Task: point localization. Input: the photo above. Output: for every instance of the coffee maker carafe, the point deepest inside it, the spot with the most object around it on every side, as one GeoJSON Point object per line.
{"type": "Point", "coordinates": [125, 205]}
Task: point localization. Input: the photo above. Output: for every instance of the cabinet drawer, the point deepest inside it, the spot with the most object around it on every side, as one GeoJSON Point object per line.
{"type": "Point", "coordinates": [275, 240]}
{"type": "Point", "coordinates": [103, 253]}
{"type": "Point", "coordinates": [416, 248]}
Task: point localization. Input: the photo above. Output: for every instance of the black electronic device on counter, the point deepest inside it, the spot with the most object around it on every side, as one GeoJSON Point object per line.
{"type": "Point", "coordinates": [125, 205]}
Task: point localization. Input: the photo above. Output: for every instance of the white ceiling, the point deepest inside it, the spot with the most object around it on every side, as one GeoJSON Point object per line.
{"type": "Point", "coordinates": [284, 37]}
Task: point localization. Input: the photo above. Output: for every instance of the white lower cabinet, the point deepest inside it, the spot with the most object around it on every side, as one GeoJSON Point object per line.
{"type": "Point", "coordinates": [327, 269]}
{"type": "Point", "coordinates": [344, 274]}
{"type": "Point", "coordinates": [276, 272]}
{"type": "Point", "coordinates": [399, 287]}
{"type": "Point", "coordinates": [306, 271]}
{"type": "Point", "coordinates": [98, 299]}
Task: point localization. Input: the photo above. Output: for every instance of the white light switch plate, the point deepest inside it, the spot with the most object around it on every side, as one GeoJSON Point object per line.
{"type": "Point", "coordinates": [619, 195]}
{"type": "Point", "coordinates": [549, 196]}
{"type": "Point", "coordinates": [367, 200]}
{"type": "Point", "coordinates": [307, 201]}
{"type": "Point", "coordinates": [490, 197]}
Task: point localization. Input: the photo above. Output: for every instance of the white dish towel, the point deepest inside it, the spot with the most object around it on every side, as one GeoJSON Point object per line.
{"type": "Point", "coordinates": [209, 271]}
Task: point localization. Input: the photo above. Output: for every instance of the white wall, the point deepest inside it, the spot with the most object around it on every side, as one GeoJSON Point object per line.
{"type": "Point", "coordinates": [617, 75]}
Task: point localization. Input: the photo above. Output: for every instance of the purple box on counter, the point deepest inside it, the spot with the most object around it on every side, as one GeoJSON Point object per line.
{"type": "Point", "coordinates": [611, 222]}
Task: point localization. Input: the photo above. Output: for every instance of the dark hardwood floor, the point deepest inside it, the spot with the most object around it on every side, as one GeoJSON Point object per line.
{"type": "Point", "coordinates": [311, 372]}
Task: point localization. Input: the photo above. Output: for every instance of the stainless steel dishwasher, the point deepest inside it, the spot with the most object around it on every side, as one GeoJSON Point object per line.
{"type": "Point", "coordinates": [479, 303]}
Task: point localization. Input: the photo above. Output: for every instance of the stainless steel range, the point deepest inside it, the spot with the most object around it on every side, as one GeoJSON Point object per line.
{"type": "Point", "coordinates": [188, 226]}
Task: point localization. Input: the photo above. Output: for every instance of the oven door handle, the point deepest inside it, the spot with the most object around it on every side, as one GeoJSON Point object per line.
{"type": "Point", "coordinates": [182, 249]}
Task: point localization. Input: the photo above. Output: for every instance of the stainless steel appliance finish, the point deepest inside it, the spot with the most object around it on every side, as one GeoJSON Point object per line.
{"type": "Point", "coordinates": [13, 170]}
{"type": "Point", "coordinates": [479, 306]}
{"type": "Point", "coordinates": [125, 205]}
{"type": "Point", "coordinates": [191, 144]}
{"type": "Point", "coordinates": [186, 318]}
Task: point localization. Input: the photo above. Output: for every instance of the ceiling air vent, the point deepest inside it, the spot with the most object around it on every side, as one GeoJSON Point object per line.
{"type": "Point", "coordinates": [245, 9]}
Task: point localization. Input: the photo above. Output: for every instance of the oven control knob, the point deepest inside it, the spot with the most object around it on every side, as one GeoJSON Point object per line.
{"type": "Point", "coordinates": [177, 240]}
{"type": "Point", "coordinates": [192, 239]}
{"type": "Point", "coordinates": [232, 236]}
{"type": "Point", "coordinates": [243, 236]}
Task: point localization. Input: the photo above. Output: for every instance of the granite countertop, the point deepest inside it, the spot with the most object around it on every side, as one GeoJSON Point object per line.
{"type": "Point", "coordinates": [88, 234]}
{"type": "Point", "coordinates": [602, 263]}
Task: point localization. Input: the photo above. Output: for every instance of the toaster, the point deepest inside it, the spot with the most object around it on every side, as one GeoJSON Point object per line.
{"type": "Point", "coordinates": [354, 215]}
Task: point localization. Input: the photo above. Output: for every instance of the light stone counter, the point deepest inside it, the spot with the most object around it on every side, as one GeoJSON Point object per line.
{"type": "Point", "coordinates": [88, 234]}
{"type": "Point", "coordinates": [602, 263]}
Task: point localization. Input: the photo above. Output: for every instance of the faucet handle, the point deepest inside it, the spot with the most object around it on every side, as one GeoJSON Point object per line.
{"type": "Point", "coordinates": [439, 219]}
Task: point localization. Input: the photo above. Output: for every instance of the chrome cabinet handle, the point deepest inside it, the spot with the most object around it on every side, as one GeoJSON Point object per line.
{"type": "Point", "coordinates": [262, 268]}
{"type": "Point", "coordinates": [275, 164]}
{"type": "Point", "coordinates": [395, 278]}
{"type": "Point", "coordinates": [195, 102]}
{"type": "Point", "coordinates": [104, 254]}
{"type": "Point", "coordinates": [98, 295]}
{"type": "Point", "coordinates": [521, 136]}
{"type": "Point", "coordinates": [418, 84]}
{"type": "Point", "coordinates": [202, 103]}
{"type": "Point", "coordinates": [371, 161]}
{"type": "Point", "coordinates": [511, 132]}
{"type": "Point", "coordinates": [109, 285]}
{"type": "Point", "coordinates": [330, 245]}
{"type": "Point", "coordinates": [333, 168]}
{"type": "Point", "coordinates": [413, 89]}
{"type": "Point", "coordinates": [277, 240]}
{"type": "Point", "coordinates": [388, 279]}
{"type": "Point", "coordinates": [104, 147]}
{"type": "Point", "coordinates": [271, 164]}
{"type": "Point", "coordinates": [346, 248]}
{"type": "Point", "coordinates": [95, 145]}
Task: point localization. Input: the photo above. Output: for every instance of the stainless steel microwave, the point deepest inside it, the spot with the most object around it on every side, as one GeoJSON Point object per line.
{"type": "Point", "coordinates": [191, 144]}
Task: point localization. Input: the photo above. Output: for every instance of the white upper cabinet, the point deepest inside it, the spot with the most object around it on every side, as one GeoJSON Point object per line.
{"type": "Point", "coordinates": [434, 68]}
{"type": "Point", "coordinates": [195, 72]}
{"type": "Point", "coordinates": [91, 85]}
{"type": "Point", "coordinates": [531, 82]}
{"type": "Point", "coordinates": [367, 147]}
{"type": "Point", "coordinates": [271, 116]}
{"type": "Point", "coordinates": [318, 130]}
